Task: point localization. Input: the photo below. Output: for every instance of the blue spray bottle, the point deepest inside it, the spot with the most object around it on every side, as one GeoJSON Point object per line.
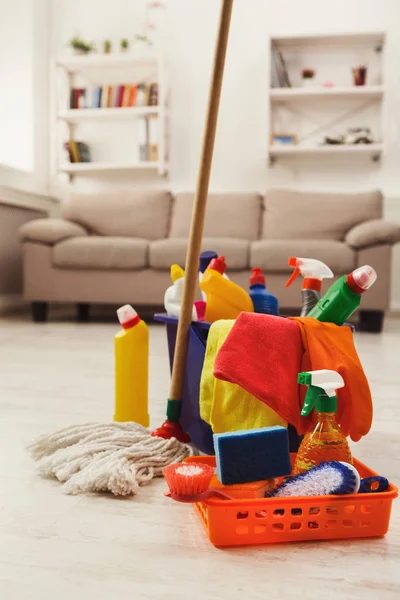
{"type": "Point", "coordinates": [263, 301]}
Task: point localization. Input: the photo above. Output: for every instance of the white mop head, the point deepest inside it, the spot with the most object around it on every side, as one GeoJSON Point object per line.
{"type": "Point", "coordinates": [113, 457]}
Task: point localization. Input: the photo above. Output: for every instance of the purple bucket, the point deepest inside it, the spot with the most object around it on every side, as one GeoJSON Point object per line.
{"type": "Point", "coordinates": [200, 432]}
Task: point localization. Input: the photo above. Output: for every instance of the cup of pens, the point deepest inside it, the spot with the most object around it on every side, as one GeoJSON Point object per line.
{"type": "Point", "coordinates": [360, 75]}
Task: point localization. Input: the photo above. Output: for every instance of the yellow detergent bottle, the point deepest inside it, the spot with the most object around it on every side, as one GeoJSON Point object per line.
{"type": "Point", "coordinates": [131, 368]}
{"type": "Point", "coordinates": [225, 299]}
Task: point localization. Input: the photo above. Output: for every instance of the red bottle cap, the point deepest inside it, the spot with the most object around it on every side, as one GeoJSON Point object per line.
{"type": "Point", "coordinates": [218, 264]}
{"type": "Point", "coordinates": [257, 276]}
{"type": "Point", "coordinates": [360, 280]}
{"type": "Point", "coordinates": [127, 316]}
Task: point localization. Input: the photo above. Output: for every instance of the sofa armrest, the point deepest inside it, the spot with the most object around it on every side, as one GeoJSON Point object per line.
{"type": "Point", "coordinates": [50, 231]}
{"type": "Point", "coordinates": [373, 233]}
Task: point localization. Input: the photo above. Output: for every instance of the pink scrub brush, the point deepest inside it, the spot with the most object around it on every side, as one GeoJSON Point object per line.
{"type": "Point", "coordinates": [189, 482]}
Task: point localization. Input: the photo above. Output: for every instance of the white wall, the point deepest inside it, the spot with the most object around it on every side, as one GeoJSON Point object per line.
{"type": "Point", "coordinates": [240, 152]}
{"type": "Point", "coordinates": [24, 84]}
{"type": "Point", "coordinates": [16, 84]}
{"type": "Point", "coordinates": [190, 27]}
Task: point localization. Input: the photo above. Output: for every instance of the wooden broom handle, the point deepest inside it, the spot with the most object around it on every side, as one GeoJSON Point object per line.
{"type": "Point", "coordinates": [199, 207]}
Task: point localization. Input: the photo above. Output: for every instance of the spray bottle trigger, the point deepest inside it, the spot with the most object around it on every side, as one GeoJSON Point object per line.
{"type": "Point", "coordinates": [308, 404]}
{"type": "Point", "coordinates": [293, 276]}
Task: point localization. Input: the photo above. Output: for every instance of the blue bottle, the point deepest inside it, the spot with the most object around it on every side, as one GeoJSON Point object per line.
{"type": "Point", "coordinates": [263, 301]}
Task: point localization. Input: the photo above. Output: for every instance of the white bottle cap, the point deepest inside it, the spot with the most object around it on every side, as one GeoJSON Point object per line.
{"type": "Point", "coordinates": [127, 316]}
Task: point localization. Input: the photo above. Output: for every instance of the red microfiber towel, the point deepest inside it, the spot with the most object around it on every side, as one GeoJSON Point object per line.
{"type": "Point", "coordinates": [262, 354]}
{"type": "Point", "coordinates": [327, 346]}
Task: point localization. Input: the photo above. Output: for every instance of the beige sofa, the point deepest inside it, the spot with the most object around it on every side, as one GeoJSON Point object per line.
{"type": "Point", "coordinates": [118, 247]}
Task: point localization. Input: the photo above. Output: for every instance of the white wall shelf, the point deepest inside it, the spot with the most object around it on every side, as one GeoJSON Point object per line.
{"type": "Point", "coordinates": [106, 61]}
{"type": "Point", "coordinates": [123, 144]}
{"type": "Point", "coordinates": [77, 115]}
{"type": "Point", "coordinates": [314, 112]}
{"type": "Point", "coordinates": [97, 167]}
{"type": "Point", "coordinates": [367, 38]}
{"type": "Point", "coordinates": [373, 151]}
{"type": "Point", "coordinates": [292, 94]}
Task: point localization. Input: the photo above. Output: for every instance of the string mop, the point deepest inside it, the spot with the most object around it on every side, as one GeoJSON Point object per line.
{"type": "Point", "coordinates": [121, 457]}
{"type": "Point", "coordinates": [112, 457]}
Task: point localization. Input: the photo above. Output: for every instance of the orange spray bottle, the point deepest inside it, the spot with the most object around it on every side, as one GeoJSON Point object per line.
{"type": "Point", "coordinates": [325, 442]}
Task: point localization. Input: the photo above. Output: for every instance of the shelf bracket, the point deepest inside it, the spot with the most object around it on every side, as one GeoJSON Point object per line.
{"type": "Point", "coordinates": [272, 160]}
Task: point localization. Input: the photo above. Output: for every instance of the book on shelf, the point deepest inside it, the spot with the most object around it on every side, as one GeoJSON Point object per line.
{"type": "Point", "coordinates": [153, 95]}
{"type": "Point", "coordinates": [115, 96]}
{"type": "Point", "coordinates": [141, 95]}
{"type": "Point", "coordinates": [77, 151]}
{"type": "Point", "coordinates": [279, 74]}
{"type": "Point", "coordinates": [96, 97]}
{"type": "Point", "coordinates": [132, 95]}
{"type": "Point", "coordinates": [125, 96]}
{"type": "Point", "coordinates": [111, 96]}
{"type": "Point", "coordinates": [119, 96]}
{"type": "Point", "coordinates": [77, 98]}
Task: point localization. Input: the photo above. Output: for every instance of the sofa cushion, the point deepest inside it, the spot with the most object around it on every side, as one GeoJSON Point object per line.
{"type": "Point", "coordinates": [122, 213]}
{"type": "Point", "coordinates": [164, 253]}
{"type": "Point", "coordinates": [227, 215]}
{"type": "Point", "coordinates": [373, 233]}
{"type": "Point", "coordinates": [304, 215]}
{"type": "Point", "coordinates": [95, 252]}
{"type": "Point", "coordinates": [50, 231]}
{"type": "Point", "coordinates": [273, 255]}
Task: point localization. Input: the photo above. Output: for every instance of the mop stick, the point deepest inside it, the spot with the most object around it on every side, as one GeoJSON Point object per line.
{"type": "Point", "coordinates": [171, 427]}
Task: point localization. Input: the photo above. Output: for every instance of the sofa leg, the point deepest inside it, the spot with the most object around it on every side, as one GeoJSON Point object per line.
{"type": "Point", "coordinates": [371, 320]}
{"type": "Point", "coordinates": [40, 311]}
{"type": "Point", "coordinates": [83, 312]}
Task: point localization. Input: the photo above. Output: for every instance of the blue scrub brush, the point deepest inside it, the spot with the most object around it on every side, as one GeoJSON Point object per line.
{"type": "Point", "coordinates": [325, 479]}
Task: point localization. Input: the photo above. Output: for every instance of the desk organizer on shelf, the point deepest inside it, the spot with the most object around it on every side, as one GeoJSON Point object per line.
{"type": "Point", "coordinates": [249, 521]}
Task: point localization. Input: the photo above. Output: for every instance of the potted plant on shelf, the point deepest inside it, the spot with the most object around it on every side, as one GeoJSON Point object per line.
{"type": "Point", "coordinates": [307, 76]}
{"type": "Point", "coordinates": [79, 46]}
{"type": "Point", "coordinates": [107, 46]}
{"type": "Point", "coordinates": [124, 45]}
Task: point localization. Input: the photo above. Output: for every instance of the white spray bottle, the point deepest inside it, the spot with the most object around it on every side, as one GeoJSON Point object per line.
{"type": "Point", "coordinates": [313, 271]}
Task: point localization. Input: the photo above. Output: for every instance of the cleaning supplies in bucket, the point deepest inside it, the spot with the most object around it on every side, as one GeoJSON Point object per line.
{"type": "Point", "coordinates": [325, 443]}
{"type": "Point", "coordinates": [225, 299]}
{"type": "Point", "coordinates": [131, 368]}
{"type": "Point", "coordinates": [173, 296]}
{"type": "Point", "coordinates": [263, 301]}
{"type": "Point", "coordinates": [224, 405]}
{"type": "Point", "coordinates": [313, 271]}
{"type": "Point", "coordinates": [344, 296]}
{"type": "Point", "coordinates": [281, 348]}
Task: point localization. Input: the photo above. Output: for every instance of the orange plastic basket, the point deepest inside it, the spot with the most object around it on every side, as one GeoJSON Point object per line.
{"type": "Point", "coordinates": [275, 520]}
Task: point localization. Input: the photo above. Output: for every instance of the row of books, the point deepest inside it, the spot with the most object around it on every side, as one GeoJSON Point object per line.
{"type": "Point", "coordinates": [279, 74]}
{"type": "Point", "coordinates": [115, 96]}
{"type": "Point", "coordinates": [147, 140]}
{"type": "Point", "coordinates": [77, 151]}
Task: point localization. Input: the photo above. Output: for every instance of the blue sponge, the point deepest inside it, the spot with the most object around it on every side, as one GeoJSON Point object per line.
{"type": "Point", "coordinates": [252, 455]}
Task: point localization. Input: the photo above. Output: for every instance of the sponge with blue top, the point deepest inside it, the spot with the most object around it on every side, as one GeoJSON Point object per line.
{"type": "Point", "coordinates": [252, 455]}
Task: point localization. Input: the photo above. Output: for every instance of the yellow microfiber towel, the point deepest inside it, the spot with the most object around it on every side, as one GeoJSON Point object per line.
{"type": "Point", "coordinates": [226, 406]}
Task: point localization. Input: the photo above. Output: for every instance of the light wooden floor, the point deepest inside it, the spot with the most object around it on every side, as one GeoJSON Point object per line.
{"type": "Point", "coordinates": [63, 547]}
